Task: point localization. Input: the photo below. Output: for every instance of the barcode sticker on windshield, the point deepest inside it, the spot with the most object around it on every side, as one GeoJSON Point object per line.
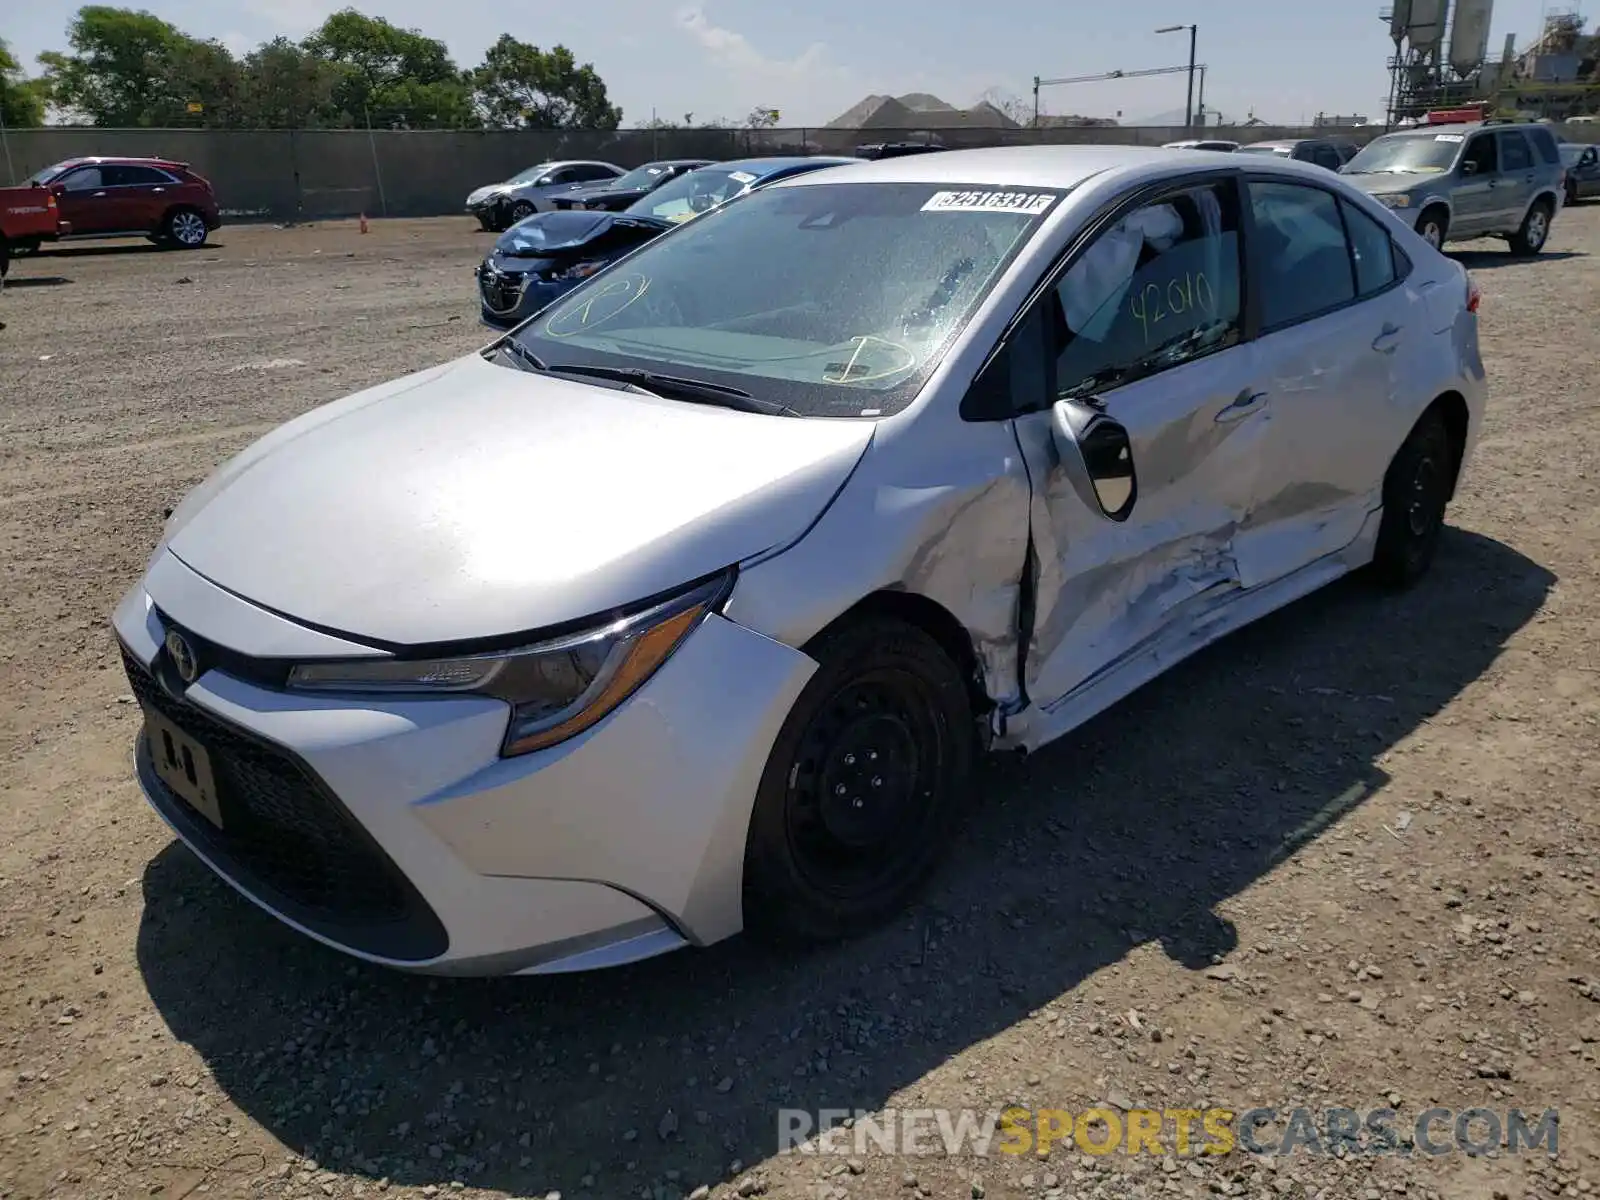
{"type": "Point", "coordinates": [1449, 137]}
{"type": "Point", "coordinates": [741, 176]}
{"type": "Point", "coordinates": [1028, 203]}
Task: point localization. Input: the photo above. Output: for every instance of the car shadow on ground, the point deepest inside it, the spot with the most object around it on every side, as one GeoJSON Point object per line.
{"type": "Point", "coordinates": [35, 281]}
{"type": "Point", "coordinates": [101, 249]}
{"type": "Point", "coordinates": [1131, 831]}
{"type": "Point", "coordinates": [1488, 260]}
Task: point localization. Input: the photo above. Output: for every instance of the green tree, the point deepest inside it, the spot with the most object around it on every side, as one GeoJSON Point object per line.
{"type": "Point", "coordinates": [519, 85]}
{"type": "Point", "coordinates": [286, 86]}
{"type": "Point", "coordinates": [22, 100]}
{"type": "Point", "coordinates": [397, 77]}
{"type": "Point", "coordinates": [131, 68]}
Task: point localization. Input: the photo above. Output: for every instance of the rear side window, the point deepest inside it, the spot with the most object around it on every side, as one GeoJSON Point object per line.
{"type": "Point", "coordinates": [1514, 153]}
{"type": "Point", "coordinates": [127, 175]}
{"type": "Point", "coordinates": [1545, 142]}
{"type": "Point", "coordinates": [1302, 258]}
{"type": "Point", "coordinates": [1371, 248]}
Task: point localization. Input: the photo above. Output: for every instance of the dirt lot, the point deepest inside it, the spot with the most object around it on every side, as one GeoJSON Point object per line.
{"type": "Point", "coordinates": [1346, 859]}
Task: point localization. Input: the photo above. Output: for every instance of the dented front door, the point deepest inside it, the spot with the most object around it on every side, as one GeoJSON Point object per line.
{"type": "Point", "coordinates": [1144, 328]}
{"type": "Point", "coordinates": [1107, 587]}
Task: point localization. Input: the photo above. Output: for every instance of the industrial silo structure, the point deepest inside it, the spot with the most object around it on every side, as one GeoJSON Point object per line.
{"type": "Point", "coordinates": [1469, 37]}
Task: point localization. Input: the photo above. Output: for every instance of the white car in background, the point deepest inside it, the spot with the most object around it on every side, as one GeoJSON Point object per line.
{"type": "Point", "coordinates": [501, 205]}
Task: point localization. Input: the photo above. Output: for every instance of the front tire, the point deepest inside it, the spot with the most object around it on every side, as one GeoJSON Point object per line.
{"type": "Point", "coordinates": [1434, 226]}
{"type": "Point", "coordinates": [521, 211]}
{"type": "Point", "coordinates": [1416, 491]}
{"type": "Point", "coordinates": [1535, 231]}
{"type": "Point", "coordinates": [863, 787]}
{"type": "Point", "coordinates": [185, 229]}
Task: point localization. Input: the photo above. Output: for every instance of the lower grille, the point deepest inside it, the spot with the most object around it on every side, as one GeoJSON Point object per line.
{"type": "Point", "coordinates": [502, 293]}
{"type": "Point", "coordinates": [287, 840]}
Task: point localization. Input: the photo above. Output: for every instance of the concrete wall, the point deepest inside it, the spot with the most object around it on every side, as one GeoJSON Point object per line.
{"type": "Point", "coordinates": [306, 174]}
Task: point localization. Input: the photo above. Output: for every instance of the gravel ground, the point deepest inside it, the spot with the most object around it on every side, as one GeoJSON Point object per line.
{"type": "Point", "coordinates": [1346, 859]}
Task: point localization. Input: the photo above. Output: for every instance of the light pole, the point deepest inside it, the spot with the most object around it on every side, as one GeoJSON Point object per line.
{"type": "Point", "coordinates": [1188, 108]}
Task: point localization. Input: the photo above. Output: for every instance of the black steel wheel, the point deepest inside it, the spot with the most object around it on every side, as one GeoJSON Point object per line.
{"type": "Point", "coordinates": [863, 786]}
{"type": "Point", "coordinates": [521, 211]}
{"type": "Point", "coordinates": [1416, 490]}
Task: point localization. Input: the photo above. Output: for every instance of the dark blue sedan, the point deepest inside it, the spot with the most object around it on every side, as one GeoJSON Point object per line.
{"type": "Point", "coordinates": [539, 259]}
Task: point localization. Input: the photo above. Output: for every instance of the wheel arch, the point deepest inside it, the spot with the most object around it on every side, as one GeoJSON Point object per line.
{"type": "Point", "coordinates": [1452, 409]}
{"type": "Point", "coordinates": [933, 619]}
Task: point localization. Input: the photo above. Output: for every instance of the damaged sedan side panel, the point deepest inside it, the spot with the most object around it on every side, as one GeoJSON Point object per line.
{"type": "Point", "coordinates": [947, 522]}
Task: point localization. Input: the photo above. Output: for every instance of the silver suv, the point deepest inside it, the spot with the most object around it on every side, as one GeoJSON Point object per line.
{"type": "Point", "coordinates": [1455, 182]}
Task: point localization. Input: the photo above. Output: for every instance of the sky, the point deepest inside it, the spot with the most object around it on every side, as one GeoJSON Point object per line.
{"type": "Point", "coordinates": [1285, 62]}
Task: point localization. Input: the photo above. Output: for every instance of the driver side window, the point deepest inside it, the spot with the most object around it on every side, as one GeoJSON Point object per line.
{"type": "Point", "coordinates": [1481, 155]}
{"type": "Point", "coordinates": [1157, 289]}
{"type": "Point", "coordinates": [84, 180]}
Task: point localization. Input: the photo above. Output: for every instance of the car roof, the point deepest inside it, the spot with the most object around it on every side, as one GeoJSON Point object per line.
{"type": "Point", "coordinates": [782, 162]}
{"type": "Point", "coordinates": [1017, 166]}
{"type": "Point", "coordinates": [1058, 167]}
{"type": "Point", "coordinates": [92, 160]}
{"type": "Point", "coordinates": [680, 162]}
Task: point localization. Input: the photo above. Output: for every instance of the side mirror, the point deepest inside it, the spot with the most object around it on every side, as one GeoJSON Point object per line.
{"type": "Point", "coordinates": [1097, 455]}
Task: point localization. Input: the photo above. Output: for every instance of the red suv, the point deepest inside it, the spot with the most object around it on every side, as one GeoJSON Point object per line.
{"type": "Point", "coordinates": [133, 197]}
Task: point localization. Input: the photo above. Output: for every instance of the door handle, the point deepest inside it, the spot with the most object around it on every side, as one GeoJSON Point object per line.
{"type": "Point", "coordinates": [1245, 403]}
{"type": "Point", "coordinates": [1387, 341]}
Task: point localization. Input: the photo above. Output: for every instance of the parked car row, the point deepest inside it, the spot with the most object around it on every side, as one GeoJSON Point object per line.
{"type": "Point", "coordinates": [548, 253]}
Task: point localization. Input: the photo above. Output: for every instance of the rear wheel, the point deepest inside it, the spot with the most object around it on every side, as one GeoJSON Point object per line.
{"type": "Point", "coordinates": [863, 787]}
{"type": "Point", "coordinates": [185, 229]}
{"type": "Point", "coordinates": [1433, 225]}
{"type": "Point", "coordinates": [1416, 490]}
{"type": "Point", "coordinates": [1535, 231]}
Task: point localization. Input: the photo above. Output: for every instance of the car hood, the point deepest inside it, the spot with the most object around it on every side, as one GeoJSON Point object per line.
{"type": "Point", "coordinates": [475, 501]}
{"type": "Point", "coordinates": [567, 230]}
{"type": "Point", "coordinates": [1385, 182]}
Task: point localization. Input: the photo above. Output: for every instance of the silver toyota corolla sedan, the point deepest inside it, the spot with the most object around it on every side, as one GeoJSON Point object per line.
{"type": "Point", "coordinates": [688, 606]}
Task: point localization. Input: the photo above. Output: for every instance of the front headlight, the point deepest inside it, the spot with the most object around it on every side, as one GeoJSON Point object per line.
{"type": "Point", "coordinates": [577, 271]}
{"type": "Point", "coordinates": [557, 688]}
{"type": "Point", "coordinates": [1394, 200]}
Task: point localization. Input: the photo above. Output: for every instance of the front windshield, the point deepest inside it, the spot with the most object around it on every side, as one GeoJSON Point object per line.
{"type": "Point", "coordinates": [46, 175]}
{"type": "Point", "coordinates": [1408, 155]}
{"type": "Point", "coordinates": [639, 177]}
{"type": "Point", "coordinates": [530, 174]}
{"type": "Point", "coordinates": [693, 193]}
{"type": "Point", "coordinates": [833, 299]}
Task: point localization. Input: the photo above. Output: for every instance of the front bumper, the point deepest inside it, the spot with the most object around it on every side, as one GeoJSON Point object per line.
{"type": "Point", "coordinates": [392, 830]}
{"type": "Point", "coordinates": [508, 299]}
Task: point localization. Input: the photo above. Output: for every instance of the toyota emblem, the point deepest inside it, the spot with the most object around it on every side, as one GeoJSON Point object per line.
{"type": "Point", "coordinates": [183, 656]}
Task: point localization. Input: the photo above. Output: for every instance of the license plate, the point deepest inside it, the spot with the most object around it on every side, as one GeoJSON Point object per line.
{"type": "Point", "coordinates": [183, 765]}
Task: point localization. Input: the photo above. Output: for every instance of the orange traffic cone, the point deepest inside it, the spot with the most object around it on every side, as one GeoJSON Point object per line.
{"type": "Point", "coordinates": [363, 222]}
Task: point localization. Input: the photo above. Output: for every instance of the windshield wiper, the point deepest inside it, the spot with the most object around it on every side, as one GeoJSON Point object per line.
{"type": "Point", "coordinates": [696, 391]}
{"type": "Point", "coordinates": [525, 359]}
